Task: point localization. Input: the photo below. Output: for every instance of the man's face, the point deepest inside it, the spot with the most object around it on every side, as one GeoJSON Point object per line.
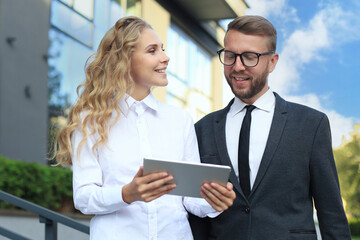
{"type": "Point", "coordinates": [248, 83]}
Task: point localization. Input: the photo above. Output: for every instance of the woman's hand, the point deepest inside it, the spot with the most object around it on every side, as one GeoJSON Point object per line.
{"type": "Point", "coordinates": [147, 188]}
{"type": "Point", "coordinates": [218, 196]}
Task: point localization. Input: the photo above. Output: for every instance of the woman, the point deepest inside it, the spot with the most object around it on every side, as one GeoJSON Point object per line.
{"type": "Point", "coordinates": [115, 123]}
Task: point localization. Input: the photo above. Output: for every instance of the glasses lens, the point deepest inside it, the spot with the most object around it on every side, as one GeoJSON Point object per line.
{"type": "Point", "coordinates": [250, 59]}
{"type": "Point", "coordinates": [227, 58]}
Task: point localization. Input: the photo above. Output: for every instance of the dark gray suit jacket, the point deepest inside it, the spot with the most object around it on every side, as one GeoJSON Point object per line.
{"type": "Point", "coordinates": [296, 169]}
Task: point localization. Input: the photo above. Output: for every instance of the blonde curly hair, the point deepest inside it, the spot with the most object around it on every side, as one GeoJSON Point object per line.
{"type": "Point", "coordinates": [108, 78]}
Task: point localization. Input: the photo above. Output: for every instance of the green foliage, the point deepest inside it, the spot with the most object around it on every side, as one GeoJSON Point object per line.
{"type": "Point", "coordinates": [354, 224]}
{"type": "Point", "coordinates": [347, 158]}
{"type": "Point", "coordinates": [50, 187]}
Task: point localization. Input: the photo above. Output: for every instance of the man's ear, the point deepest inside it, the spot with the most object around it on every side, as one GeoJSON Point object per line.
{"type": "Point", "coordinates": [273, 61]}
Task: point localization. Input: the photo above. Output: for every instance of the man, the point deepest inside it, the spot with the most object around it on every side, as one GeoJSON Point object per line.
{"type": "Point", "coordinates": [286, 161]}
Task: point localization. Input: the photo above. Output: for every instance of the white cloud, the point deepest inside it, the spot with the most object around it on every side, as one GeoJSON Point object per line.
{"type": "Point", "coordinates": [325, 31]}
{"type": "Point", "coordinates": [278, 8]}
{"type": "Point", "coordinates": [303, 46]}
{"type": "Point", "coordinates": [331, 27]}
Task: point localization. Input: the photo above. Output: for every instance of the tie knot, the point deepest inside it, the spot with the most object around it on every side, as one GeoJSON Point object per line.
{"type": "Point", "coordinates": [249, 108]}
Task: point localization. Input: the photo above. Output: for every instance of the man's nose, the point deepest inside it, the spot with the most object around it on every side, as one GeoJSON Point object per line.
{"type": "Point", "coordinates": [238, 65]}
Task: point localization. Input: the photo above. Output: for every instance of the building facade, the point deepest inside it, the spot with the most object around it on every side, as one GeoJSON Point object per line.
{"type": "Point", "coordinates": [45, 44]}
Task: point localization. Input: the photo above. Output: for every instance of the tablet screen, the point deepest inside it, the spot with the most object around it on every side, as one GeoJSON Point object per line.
{"type": "Point", "coordinates": [188, 176]}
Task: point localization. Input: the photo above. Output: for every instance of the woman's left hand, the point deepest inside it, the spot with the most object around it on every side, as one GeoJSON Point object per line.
{"type": "Point", "coordinates": [218, 196]}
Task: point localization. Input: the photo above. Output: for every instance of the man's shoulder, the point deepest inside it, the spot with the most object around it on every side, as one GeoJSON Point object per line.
{"type": "Point", "coordinates": [211, 117]}
{"type": "Point", "coordinates": [296, 108]}
{"type": "Point", "coordinates": [216, 115]}
{"type": "Point", "coordinates": [304, 110]}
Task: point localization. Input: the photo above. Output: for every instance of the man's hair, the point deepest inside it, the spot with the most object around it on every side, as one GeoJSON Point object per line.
{"type": "Point", "coordinates": [255, 25]}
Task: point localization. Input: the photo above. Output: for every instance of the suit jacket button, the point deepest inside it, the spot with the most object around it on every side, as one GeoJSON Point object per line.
{"type": "Point", "coordinates": [247, 209]}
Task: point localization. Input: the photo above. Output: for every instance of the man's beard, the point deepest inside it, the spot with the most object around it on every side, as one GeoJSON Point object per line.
{"type": "Point", "coordinates": [256, 86]}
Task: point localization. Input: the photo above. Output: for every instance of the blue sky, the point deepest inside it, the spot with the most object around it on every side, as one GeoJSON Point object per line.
{"type": "Point", "coordinates": [319, 64]}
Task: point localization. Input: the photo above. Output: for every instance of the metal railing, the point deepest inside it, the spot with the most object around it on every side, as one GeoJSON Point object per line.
{"type": "Point", "coordinates": [46, 216]}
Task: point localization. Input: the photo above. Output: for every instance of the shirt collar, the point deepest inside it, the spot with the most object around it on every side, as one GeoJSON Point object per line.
{"type": "Point", "coordinates": [265, 102]}
{"type": "Point", "coordinates": [149, 101]}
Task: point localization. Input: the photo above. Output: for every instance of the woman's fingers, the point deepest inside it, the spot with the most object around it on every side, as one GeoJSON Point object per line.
{"type": "Point", "coordinates": [214, 198]}
{"type": "Point", "coordinates": [229, 186]}
{"type": "Point", "coordinates": [148, 187]}
{"type": "Point", "coordinates": [218, 196]}
{"type": "Point", "coordinates": [157, 179]}
{"type": "Point", "coordinates": [158, 192]}
{"type": "Point", "coordinates": [153, 197]}
{"type": "Point", "coordinates": [158, 185]}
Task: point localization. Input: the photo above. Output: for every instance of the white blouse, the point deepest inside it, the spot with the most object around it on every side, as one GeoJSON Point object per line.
{"type": "Point", "coordinates": [145, 129]}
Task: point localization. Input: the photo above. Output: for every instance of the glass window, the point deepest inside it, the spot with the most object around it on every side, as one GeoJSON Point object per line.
{"type": "Point", "coordinates": [189, 73]}
{"type": "Point", "coordinates": [71, 23]}
{"type": "Point", "coordinates": [67, 2]}
{"type": "Point", "coordinates": [84, 7]}
{"type": "Point", "coordinates": [224, 23]}
{"type": "Point", "coordinates": [67, 59]}
{"type": "Point", "coordinates": [73, 38]}
{"type": "Point", "coordinates": [116, 12]}
{"type": "Point", "coordinates": [76, 31]}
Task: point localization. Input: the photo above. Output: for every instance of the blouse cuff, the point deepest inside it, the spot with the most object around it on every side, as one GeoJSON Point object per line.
{"type": "Point", "coordinates": [200, 207]}
{"type": "Point", "coordinates": [112, 196]}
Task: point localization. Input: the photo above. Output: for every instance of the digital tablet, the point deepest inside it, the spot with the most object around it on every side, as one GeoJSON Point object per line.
{"type": "Point", "coordinates": [188, 176]}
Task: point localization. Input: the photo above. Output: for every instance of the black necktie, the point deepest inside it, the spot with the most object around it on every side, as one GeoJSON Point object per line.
{"type": "Point", "coordinates": [243, 157]}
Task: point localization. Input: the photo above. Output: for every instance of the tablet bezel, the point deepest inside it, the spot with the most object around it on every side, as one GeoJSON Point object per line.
{"type": "Point", "coordinates": [188, 176]}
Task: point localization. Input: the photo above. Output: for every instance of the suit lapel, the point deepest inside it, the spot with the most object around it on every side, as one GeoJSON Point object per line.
{"type": "Point", "coordinates": [276, 131]}
{"type": "Point", "coordinates": [220, 139]}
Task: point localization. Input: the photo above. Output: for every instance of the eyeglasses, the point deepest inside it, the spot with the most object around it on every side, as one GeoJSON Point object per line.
{"type": "Point", "coordinates": [248, 59]}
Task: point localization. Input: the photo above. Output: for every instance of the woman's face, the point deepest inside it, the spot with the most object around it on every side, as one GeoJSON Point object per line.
{"type": "Point", "coordinates": [148, 64]}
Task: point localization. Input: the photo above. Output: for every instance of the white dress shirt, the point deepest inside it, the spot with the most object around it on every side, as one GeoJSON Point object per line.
{"type": "Point", "coordinates": [261, 119]}
{"type": "Point", "coordinates": [145, 129]}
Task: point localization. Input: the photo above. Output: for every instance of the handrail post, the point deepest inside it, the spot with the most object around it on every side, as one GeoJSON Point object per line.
{"type": "Point", "coordinates": [50, 228]}
{"type": "Point", "coordinates": [49, 217]}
